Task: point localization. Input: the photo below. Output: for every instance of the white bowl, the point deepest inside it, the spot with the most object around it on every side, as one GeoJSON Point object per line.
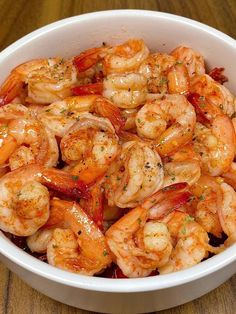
{"type": "Point", "coordinates": [67, 38]}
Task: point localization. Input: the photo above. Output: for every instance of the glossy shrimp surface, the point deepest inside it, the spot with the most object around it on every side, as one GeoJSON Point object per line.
{"type": "Point", "coordinates": [119, 157]}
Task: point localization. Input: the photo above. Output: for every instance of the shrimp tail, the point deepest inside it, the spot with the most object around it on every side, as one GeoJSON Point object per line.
{"type": "Point", "coordinates": [88, 58]}
{"type": "Point", "coordinates": [167, 200]}
{"type": "Point", "coordinates": [10, 89]}
{"type": "Point", "coordinates": [107, 109]}
{"type": "Point", "coordinates": [63, 182]}
{"type": "Point", "coordinates": [198, 102]}
{"type": "Point", "coordinates": [88, 89]}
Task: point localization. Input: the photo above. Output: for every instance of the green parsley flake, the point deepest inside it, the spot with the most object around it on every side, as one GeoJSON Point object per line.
{"type": "Point", "coordinates": [105, 253]}
{"type": "Point", "coordinates": [75, 178]}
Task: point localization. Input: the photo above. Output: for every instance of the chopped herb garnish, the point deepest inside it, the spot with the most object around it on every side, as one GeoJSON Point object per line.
{"type": "Point", "coordinates": [139, 220]}
{"type": "Point", "coordinates": [105, 253]}
{"type": "Point", "coordinates": [75, 178]}
{"type": "Point", "coordinates": [201, 197]}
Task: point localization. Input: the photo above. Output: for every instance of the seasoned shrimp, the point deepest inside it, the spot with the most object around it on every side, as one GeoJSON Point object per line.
{"type": "Point", "coordinates": [90, 146]}
{"type": "Point", "coordinates": [81, 248]}
{"type": "Point", "coordinates": [190, 241]}
{"type": "Point", "coordinates": [38, 241]}
{"type": "Point", "coordinates": [208, 203]}
{"type": "Point", "coordinates": [227, 213]}
{"type": "Point", "coordinates": [193, 60]}
{"type": "Point", "coordinates": [214, 139]}
{"type": "Point", "coordinates": [183, 166]}
{"type": "Point", "coordinates": [140, 246]}
{"type": "Point", "coordinates": [24, 202]}
{"type": "Point", "coordinates": [164, 75]}
{"type": "Point", "coordinates": [61, 115]}
{"type": "Point", "coordinates": [47, 80]}
{"type": "Point", "coordinates": [213, 92]}
{"type": "Point", "coordinates": [26, 140]}
{"type": "Point", "coordinates": [123, 58]}
{"type": "Point", "coordinates": [230, 175]}
{"type": "Point", "coordinates": [126, 57]}
{"type": "Point", "coordinates": [126, 91]}
{"type": "Point", "coordinates": [153, 118]}
{"type": "Point", "coordinates": [136, 173]}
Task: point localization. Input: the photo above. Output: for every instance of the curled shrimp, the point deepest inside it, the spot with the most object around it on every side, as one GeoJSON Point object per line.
{"type": "Point", "coordinates": [90, 145]}
{"type": "Point", "coordinates": [47, 80]}
{"type": "Point", "coordinates": [140, 246]}
{"type": "Point", "coordinates": [183, 166]}
{"type": "Point", "coordinates": [61, 115]}
{"type": "Point", "coordinates": [213, 92]}
{"type": "Point", "coordinates": [190, 242]}
{"type": "Point", "coordinates": [193, 60]}
{"type": "Point", "coordinates": [214, 138]}
{"type": "Point", "coordinates": [26, 140]}
{"type": "Point", "coordinates": [126, 57]}
{"type": "Point", "coordinates": [153, 118]}
{"type": "Point", "coordinates": [24, 201]}
{"type": "Point", "coordinates": [227, 213]}
{"type": "Point", "coordinates": [208, 203]}
{"type": "Point", "coordinates": [164, 75]}
{"type": "Point", "coordinates": [38, 241]}
{"type": "Point", "coordinates": [136, 173]}
{"type": "Point", "coordinates": [126, 91]}
{"type": "Point", "coordinates": [81, 248]}
{"type": "Point", "coordinates": [119, 59]}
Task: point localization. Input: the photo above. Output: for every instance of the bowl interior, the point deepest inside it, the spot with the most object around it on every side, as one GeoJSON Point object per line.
{"type": "Point", "coordinates": [161, 32]}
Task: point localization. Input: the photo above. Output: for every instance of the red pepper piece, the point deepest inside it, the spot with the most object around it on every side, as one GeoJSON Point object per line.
{"type": "Point", "coordinates": [218, 76]}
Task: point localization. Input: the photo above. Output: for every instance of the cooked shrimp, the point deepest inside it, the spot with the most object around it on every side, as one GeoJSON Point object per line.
{"type": "Point", "coordinates": [127, 90]}
{"type": "Point", "coordinates": [90, 145]}
{"type": "Point", "coordinates": [227, 213]}
{"type": "Point", "coordinates": [135, 174]}
{"type": "Point", "coordinates": [183, 166]}
{"type": "Point", "coordinates": [153, 118]}
{"type": "Point", "coordinates": [24, 202]}
{"type": "Point", "coordinates": [47, 80]}
{"type": "Point", "coordinates": [214, 140]}
{"type": "Point", "coordinates": [208, 203]}
{"type": "Point", "coordinates": [61, 115]}
{"type": "Point", "coordinates": [193, 60]}
{"type": "Point", "coordinates": [215, 145]}
{"type": "Point", "coordinates": [126, 57]}
{"type": "Point", "coordinates": [140, 246]}
{"type": "Point", "coordinates": [13, 111]}
{"type": "Point", "coordinates": [38, 241]}
{"type": "Point", "coordinates": [26, 140]}
{"type": "Point", "coordinates": [190, 241]}
{"type": "Point", "coordinates": [164, 75]}
{"type": "Point", "coordinates": [82, 247]}
{"type": "Point", "coordinates": [230, 175]}
{"type": "Point", "coordinates": [213, 92]}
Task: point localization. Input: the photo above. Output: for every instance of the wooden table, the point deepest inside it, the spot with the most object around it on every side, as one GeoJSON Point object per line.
{"type": "Point", "coordinates": [19, 17]}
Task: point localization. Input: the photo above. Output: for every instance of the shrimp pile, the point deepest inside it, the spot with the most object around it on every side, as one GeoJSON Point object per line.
{"type": "Point", "coordinates": [118, 162]}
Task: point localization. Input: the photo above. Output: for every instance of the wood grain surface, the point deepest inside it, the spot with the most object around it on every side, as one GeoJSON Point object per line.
{"type": "Point", "coordinates": [19, 17]}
